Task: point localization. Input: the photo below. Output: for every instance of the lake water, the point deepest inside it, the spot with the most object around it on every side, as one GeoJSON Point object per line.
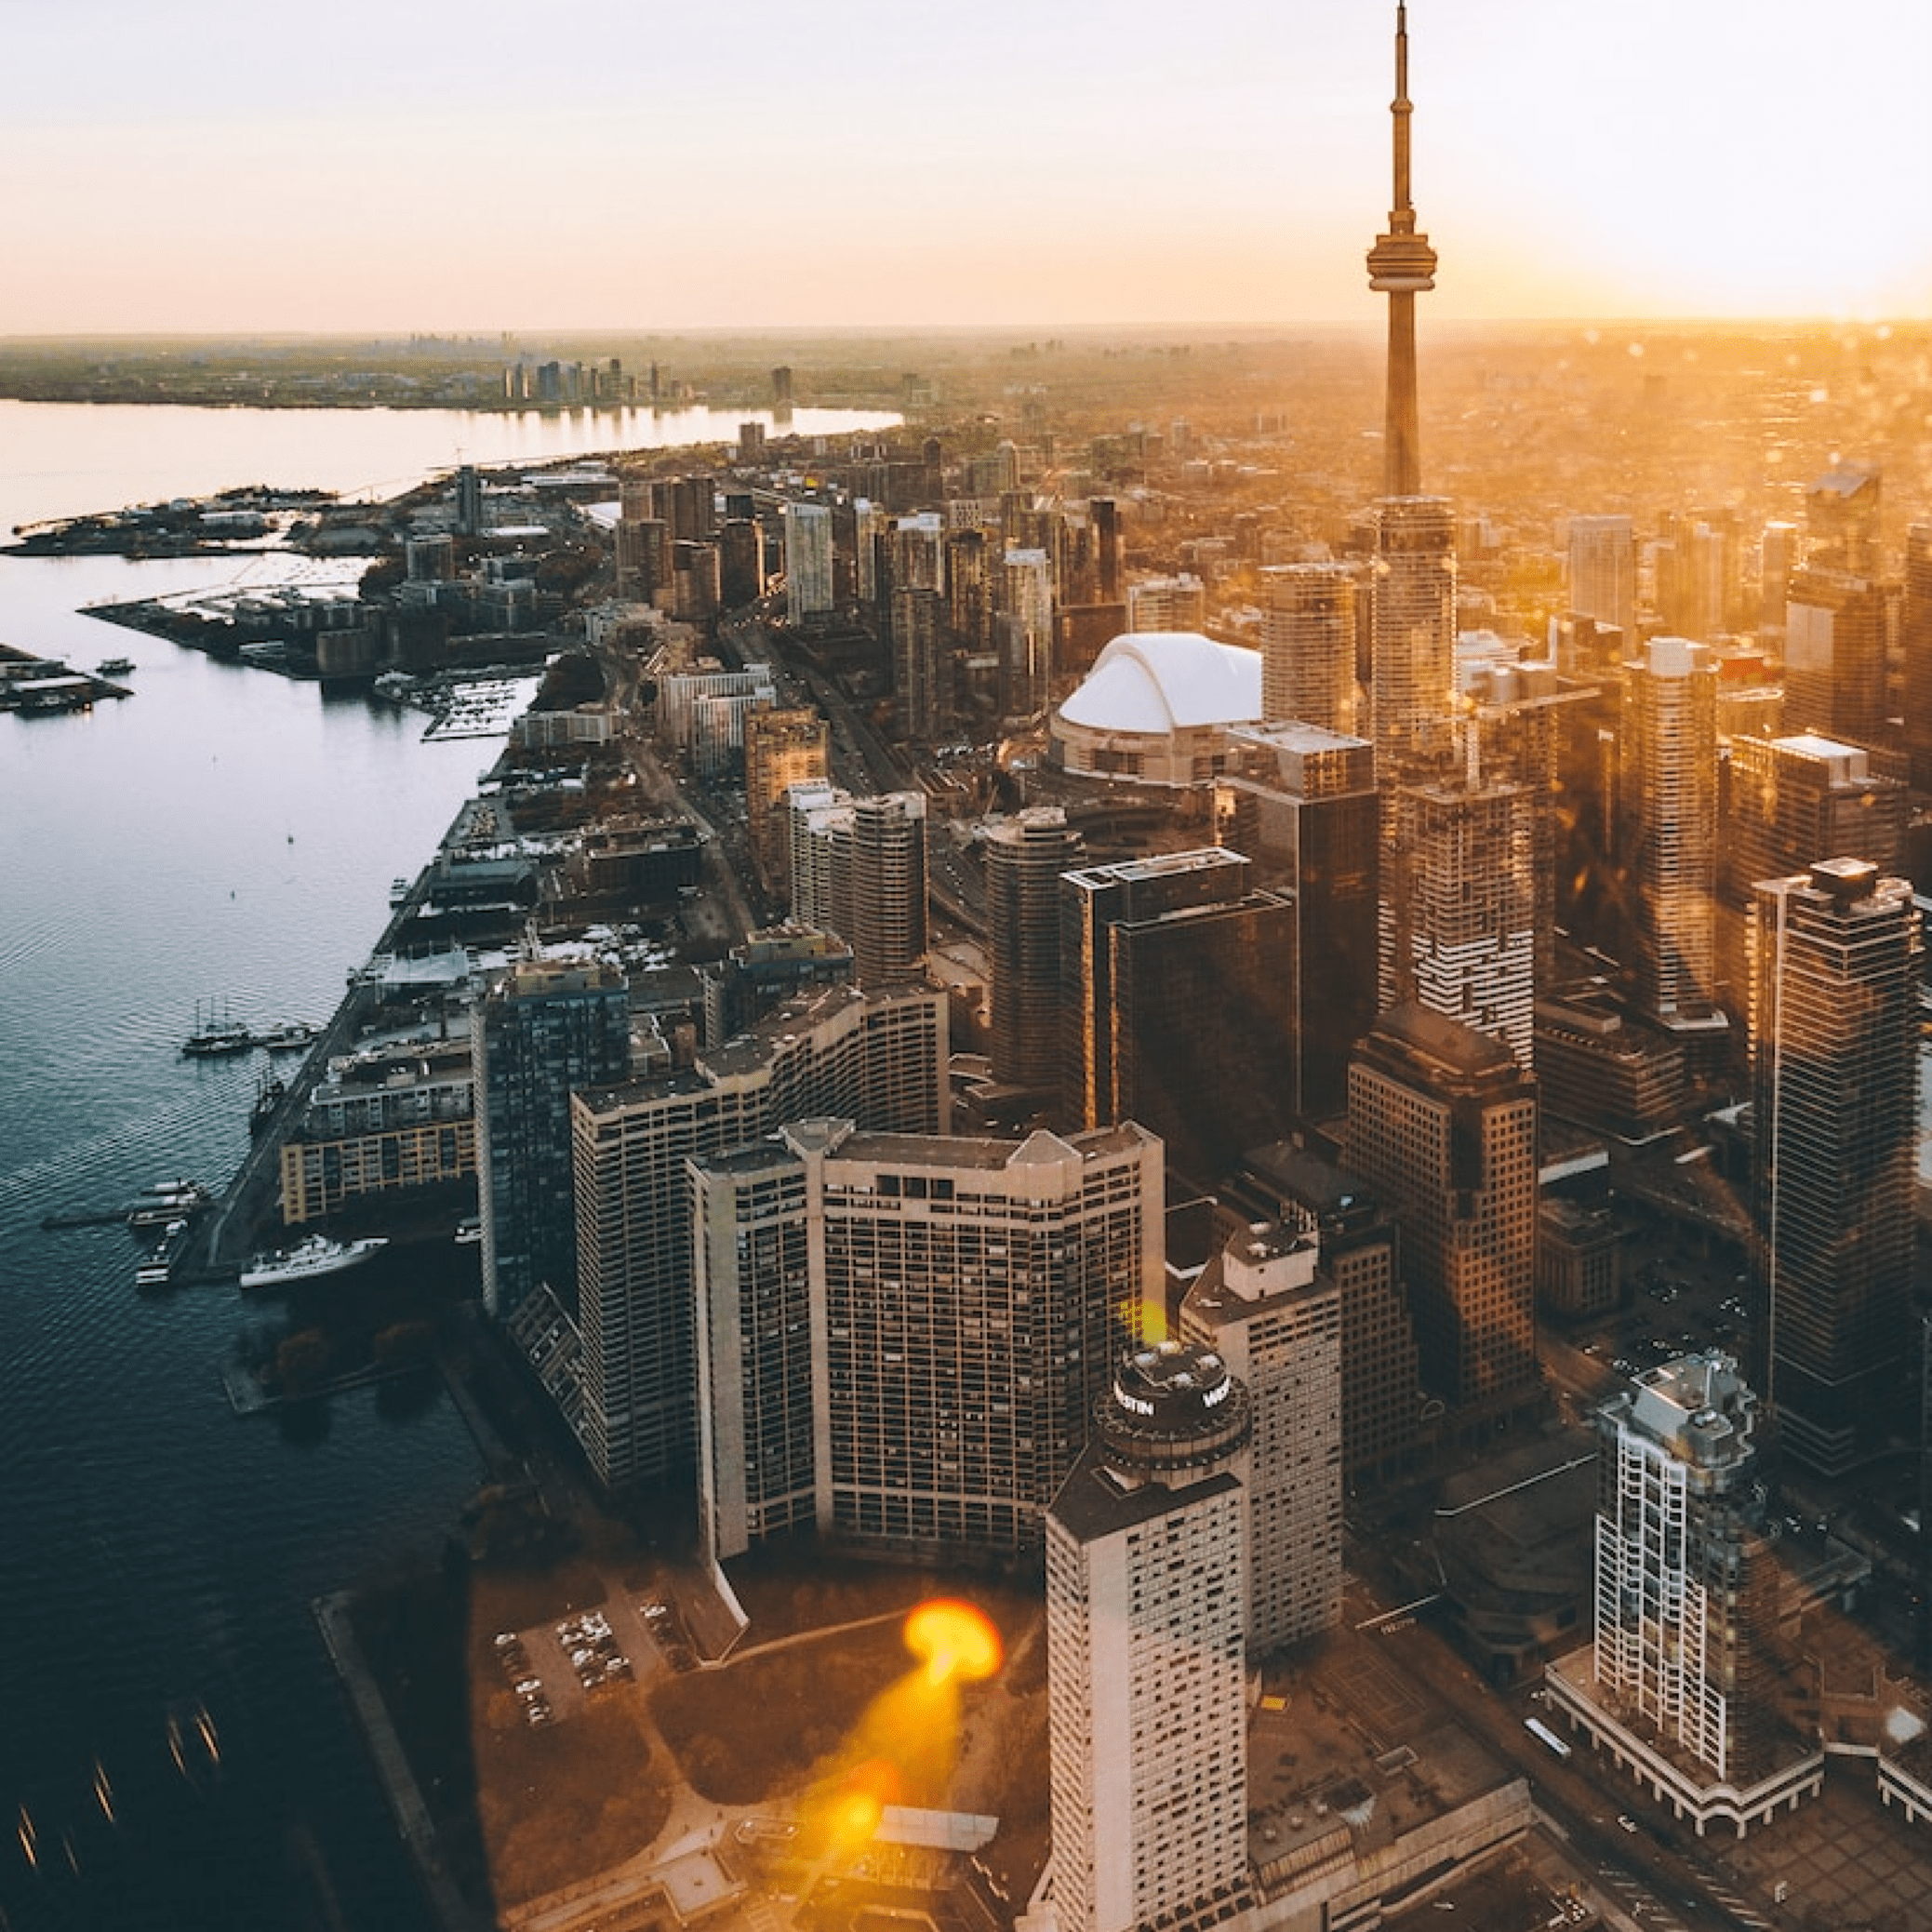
{"type": "Point", "coordinates": [221, 836]}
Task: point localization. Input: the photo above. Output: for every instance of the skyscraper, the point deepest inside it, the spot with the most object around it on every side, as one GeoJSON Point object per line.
{"type": "Point", "coordinates": [1603, 561]}
{"type": "Point", "coordinates": [903, 1338]}
{"type": "Point", "coordinates": [919, 665]}
{"type": "Point", "coordinates": [1300, 803]}
{"type": "Point", "coordinates": [1667, 830]}
{"type": "Point", "coordinates": [542, 1031]}
{"type": "Point", "coordinates": [1680, 1683]}
{"type": "Point", "coordinates": [1836, 1117]}
{"type": "Point", "coordinates": [1308, 645]}
{"type": "Point", "coordinates": [784, 746]}
{"type": "Point", "coordinates": [1381, 1397]}
{"type": "Point", "coordinates": [1025, 855]}
{"type": "Point", "coordinates": [1787, 802]}
{"type": "Point", "coordinates": [1834, 655]}
{"type": "Point", "coordinates": [1146, 1594]}
{"type": "Point", "coordinates": [1443, 1126]}
{"type": "Point", "coordinates": [1026, 605]}
{"type": "Point", "coordinates": [1402, 265]}
{"type": "Point", "coordinates": [1178, 982]}
{"type": "Point", "coordinates": [858, 870]}
{"type": "Point", "coordinates": [1264, 1307]}
{"type": "Point", "coordinates": [1413, 653]}
{"type": "Point", "coordinates": [1915, 637]}
{"type": "Point", "coordinates": [808, 581]}
{"type": "Point", "coordinates": [1842, 518]}
{"type": "Point", "coordinates": [879, 1058]}
{"type": "Point", "coordinates": [1459, 902]}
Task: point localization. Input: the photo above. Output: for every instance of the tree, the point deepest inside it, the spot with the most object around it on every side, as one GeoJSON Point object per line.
{"type": "Point", "coordinates": [302, 1361]}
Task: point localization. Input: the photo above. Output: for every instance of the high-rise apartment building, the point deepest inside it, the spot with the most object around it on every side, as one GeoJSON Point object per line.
{"type": "Point", "coordinates": [540, 1032]}
{"type": "Point", "coordinates": [1024, 857]}
{"type": "Point", "coordinates": [1668, 827]}
{"type": "Point", "coordinates": [1786, 801]}
{"type": "Point", "coordinates": [1177, 981]}
{"type": "Point", "coordinates": [1603, 567]}
{"type": "Point", "coordinates": [1308, 645]}
{"type": "Point", "coordinates": [808, 580]}
{"type": "Point", "coordinates": [877, 1059]}
{"type": "Point", "coordinates": [1266, 1309]}
{"type": "Point", "coordinates": [1146, 1590]}
{"type": "Point", "coordinates": [1441, 1125]}
{"type": "Point", "coordinates": [919, 662]}
{"type": "Point", "coordinates": [1300, 803]}
{"type": "Point", "coordinates": [1835, 1113]}
{"type": "Point", "coordinates": [784, 746]}
{"type": "Point", "coordinates": [902, 1339]}
{"type": "Point", "coordinates": [857, 869]}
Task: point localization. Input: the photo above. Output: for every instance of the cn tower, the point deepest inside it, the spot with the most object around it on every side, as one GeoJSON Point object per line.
{"type": "Point", "coordinates": [1401, 266]}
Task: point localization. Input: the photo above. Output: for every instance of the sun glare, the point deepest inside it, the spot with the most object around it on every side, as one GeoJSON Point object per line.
{"type": "Point", "coordinates": [954, 1639]}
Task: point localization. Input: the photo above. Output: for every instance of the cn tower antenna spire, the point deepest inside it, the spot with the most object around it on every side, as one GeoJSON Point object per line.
{"type": "Point", "coordinates": [1401, 266]}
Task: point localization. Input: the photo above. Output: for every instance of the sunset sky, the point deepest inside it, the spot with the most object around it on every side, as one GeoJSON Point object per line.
{"type": "Point", "coordinates": [210, 165]}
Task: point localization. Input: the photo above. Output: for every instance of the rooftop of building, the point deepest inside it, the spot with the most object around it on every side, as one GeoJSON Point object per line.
{"type": "Point", "coordinates": [1420, 1033]}
{"type": "Point", "coordinates": [989, 1153]}
{"type": "Point", "coordinates": [1343, 1741]}
{"type": "Point", "coordinates": [1259, 1270]}
{"type": "Point", "coordinates": [1163, 865]}
{"type": "Point", "coordinates": [1697, 1406]}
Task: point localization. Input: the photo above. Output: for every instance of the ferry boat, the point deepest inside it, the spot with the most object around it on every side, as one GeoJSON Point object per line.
{"type": "Point", "coordinates": [287, 1037]}
{"type": "Point", "coordinates": [316, 1255]}
{"type": "Point", "coordinates": [399, 891]}
{"type": "Point", "coordinates": [157, 1270]}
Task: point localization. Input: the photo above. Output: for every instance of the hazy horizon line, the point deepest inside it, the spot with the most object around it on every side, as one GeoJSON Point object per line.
{"type": "Point", "coordinates": [1365, 326]}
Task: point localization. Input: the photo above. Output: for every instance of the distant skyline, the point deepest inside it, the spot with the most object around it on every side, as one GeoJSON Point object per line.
{"type": "Point", "coordinates": [593, 165]}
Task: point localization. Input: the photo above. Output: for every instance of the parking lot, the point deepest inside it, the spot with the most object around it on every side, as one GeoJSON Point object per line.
{"type": "Point", "coordinates": [554, 1669]}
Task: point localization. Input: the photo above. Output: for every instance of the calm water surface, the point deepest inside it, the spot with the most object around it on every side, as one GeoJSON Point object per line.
{"type": "Point", "coordinates": [222, 837]}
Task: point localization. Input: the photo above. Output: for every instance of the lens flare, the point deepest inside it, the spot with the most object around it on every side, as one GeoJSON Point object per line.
{"type": "Point", "coordinates": [955, 1642]}
{"type": "Point", "coordinates": [858, 1805]}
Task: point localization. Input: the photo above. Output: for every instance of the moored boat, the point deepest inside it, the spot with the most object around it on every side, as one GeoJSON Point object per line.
{"type": "Point", "coordinates": [269, 1092]}
{"type": "Point", "coordinates": [213, 1037]}
{"type": "Point", "coordinates": [157, 1270]}
{"type": "Point", "coordinates": [165, 1201]}
{"type": "Point", "coordinates": [316, 1255]}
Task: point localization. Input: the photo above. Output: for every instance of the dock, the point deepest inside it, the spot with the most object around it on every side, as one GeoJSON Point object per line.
{"type": "Point", "coordinates": [37, 686]}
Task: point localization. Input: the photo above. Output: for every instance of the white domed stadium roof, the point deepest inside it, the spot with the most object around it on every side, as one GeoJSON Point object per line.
{"type": "Point", "coordinates": [1157, 682]}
